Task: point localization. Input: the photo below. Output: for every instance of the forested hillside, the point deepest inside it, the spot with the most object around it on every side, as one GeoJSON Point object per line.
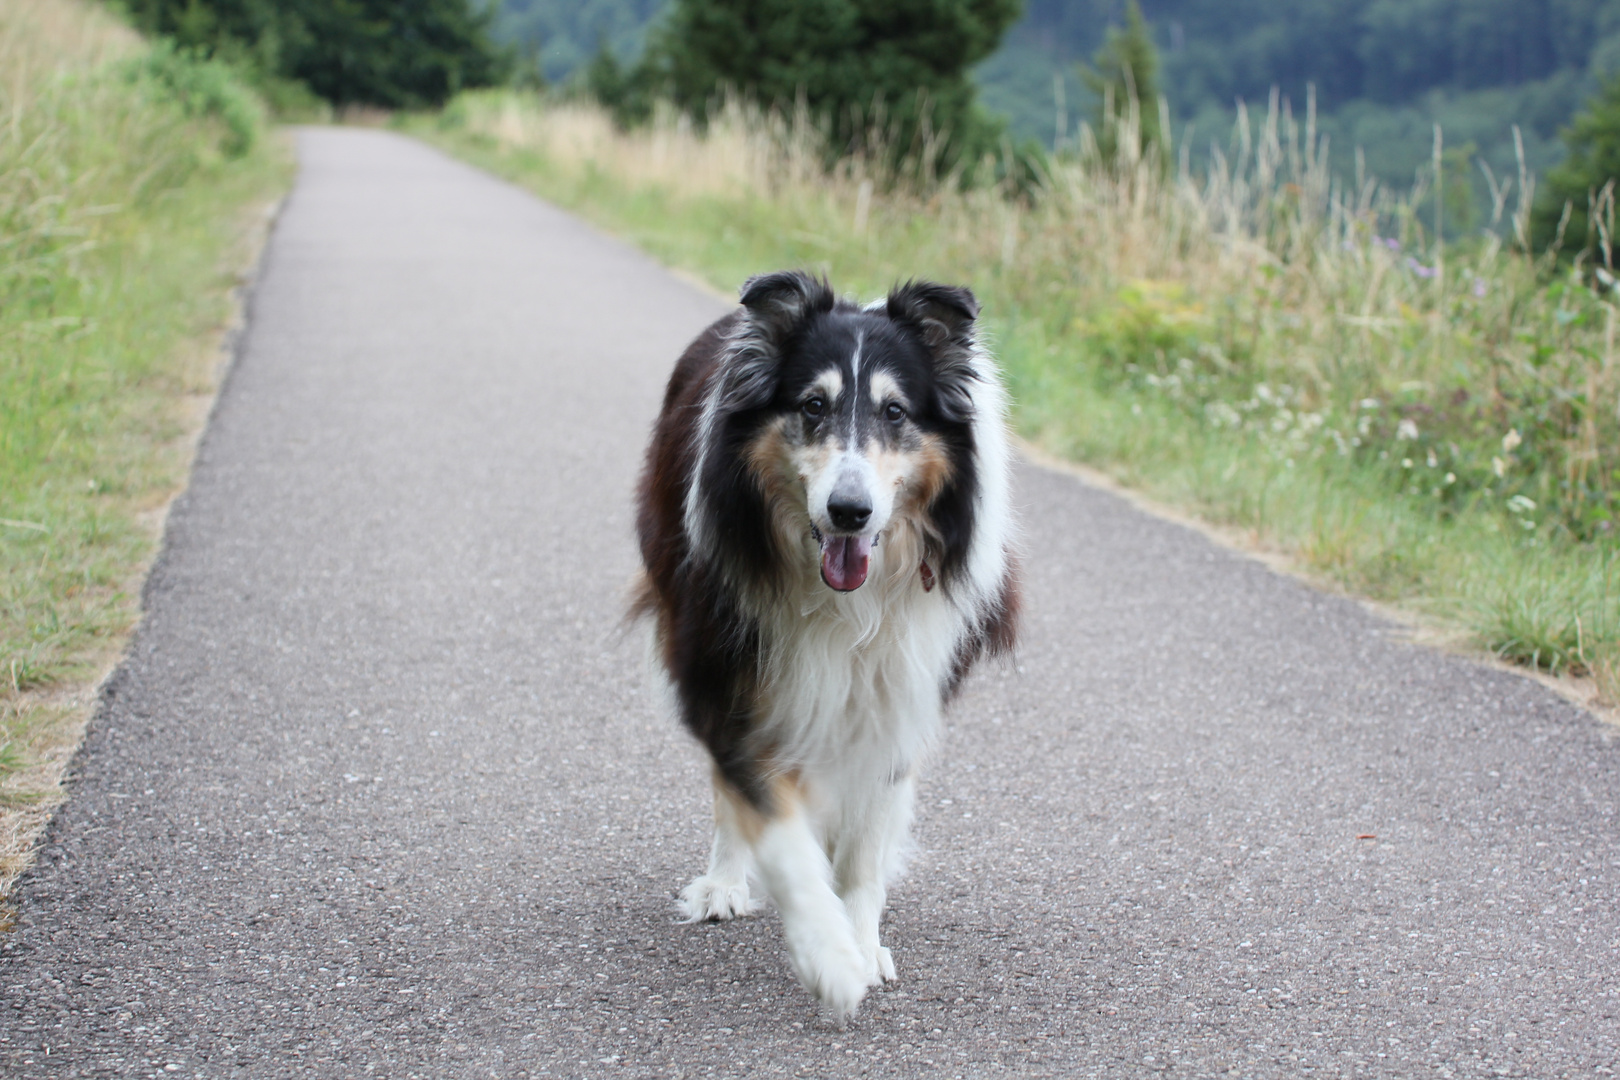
{"type": "Point", "coordinates": [1384, 70]}
{"type": "Point", "coordinates": [359, 52]}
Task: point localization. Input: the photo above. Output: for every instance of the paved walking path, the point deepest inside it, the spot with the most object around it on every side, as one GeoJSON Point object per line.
{"type": "Point", "coordinates": [383, 791]}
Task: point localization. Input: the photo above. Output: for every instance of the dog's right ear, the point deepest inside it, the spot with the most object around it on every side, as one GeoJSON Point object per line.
{"type": "Point", "coordinates": [776, 305]}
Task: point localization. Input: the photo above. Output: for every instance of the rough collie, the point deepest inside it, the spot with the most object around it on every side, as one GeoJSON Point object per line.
{"type": "Point", "coordinates": [825, 525]}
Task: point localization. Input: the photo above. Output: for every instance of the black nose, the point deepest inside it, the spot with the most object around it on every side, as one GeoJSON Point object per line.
{"type": "Point", "coordinates": [848, 510]}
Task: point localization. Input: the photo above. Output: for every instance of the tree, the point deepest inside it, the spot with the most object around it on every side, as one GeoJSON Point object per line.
{"type": "Point", "coordinates": [625, 93]}
{"type": "Point", "coordinates": [1458, 201]}
{"type": "Point", "coordinates": [1593, 140]}
{"type": "Point", "coordinates": [393, 53]}
{"type": "Point", "coordinates": [901, 65]}
{"type": "Point", "coordinates": [398, 53]}
{"type": "Point", "coordinates": [1125, 77]}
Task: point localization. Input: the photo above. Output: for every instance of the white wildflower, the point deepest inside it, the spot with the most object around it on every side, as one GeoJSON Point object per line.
{"type": "Point", "coordinates": [1511, 441]}
{"type": "Point", "coordinates": [1406, 429]}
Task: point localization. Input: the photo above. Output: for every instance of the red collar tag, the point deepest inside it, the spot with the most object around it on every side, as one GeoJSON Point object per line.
{"type": "Point", "coordinates": [927, 577]}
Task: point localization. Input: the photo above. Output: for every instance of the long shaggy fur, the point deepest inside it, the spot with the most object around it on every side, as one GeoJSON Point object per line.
{"type": "Point", "coordinates": [825, 524]}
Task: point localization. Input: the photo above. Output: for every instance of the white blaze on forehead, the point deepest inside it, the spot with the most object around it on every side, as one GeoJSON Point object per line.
{"type": "Point", "coordinates": [855, 359]}
{"type": "Point", "coordinates": [885, 387]}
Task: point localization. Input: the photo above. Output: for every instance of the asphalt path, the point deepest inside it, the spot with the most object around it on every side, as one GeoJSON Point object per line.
{"type": "Point", "coordinates": [382, 790]}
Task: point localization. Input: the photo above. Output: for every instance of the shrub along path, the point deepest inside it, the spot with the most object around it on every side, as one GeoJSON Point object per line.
{"type": "Point", "coordinates": [383, 788]}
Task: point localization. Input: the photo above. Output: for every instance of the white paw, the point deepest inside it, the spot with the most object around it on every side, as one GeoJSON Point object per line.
{"type": "Point", "coordinates": [834, 971]}
{"type": "Point", "coordinates": [879, 966]}
{"type": "Point", "coordinates": [709, 898]}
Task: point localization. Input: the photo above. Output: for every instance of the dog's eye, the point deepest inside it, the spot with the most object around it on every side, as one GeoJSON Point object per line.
{"type": "Point", "coordinates": [814, 407]}
{"type": "Point", "coordinates": [894, 411]}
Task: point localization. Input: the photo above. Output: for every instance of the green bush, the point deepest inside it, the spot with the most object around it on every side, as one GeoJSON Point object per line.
{"type": "Point", "coordinates": [202, 87]}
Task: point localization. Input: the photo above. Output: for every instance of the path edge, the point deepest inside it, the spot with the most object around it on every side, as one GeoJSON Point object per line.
{"type": "Point", "coordinates": [1415, 627]}
{"type": "Point", "coordinates": [23, 828]}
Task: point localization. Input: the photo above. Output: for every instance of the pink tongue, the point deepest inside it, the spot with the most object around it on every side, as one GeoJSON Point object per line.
{"type": "Point", "coordinates": [844, 561]}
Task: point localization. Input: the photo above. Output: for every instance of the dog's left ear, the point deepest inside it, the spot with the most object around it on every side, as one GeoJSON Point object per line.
{"type": "Point", "coordinates": [944, 316]}
{"type": "Point", "coordinates": [941, 313]}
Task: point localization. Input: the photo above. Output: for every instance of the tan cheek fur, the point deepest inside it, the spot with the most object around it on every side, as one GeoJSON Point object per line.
{"type": "Point", "coordinates": [919, 475]}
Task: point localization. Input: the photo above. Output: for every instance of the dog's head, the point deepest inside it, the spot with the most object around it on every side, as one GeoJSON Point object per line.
{"type": "Point", "coordinates": [849, 419]}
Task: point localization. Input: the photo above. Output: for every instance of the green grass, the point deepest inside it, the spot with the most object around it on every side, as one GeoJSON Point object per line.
{"type": "Point", "coordinates": [132, 184]}
{"type": "Point", "coordinates": [1430, 426]}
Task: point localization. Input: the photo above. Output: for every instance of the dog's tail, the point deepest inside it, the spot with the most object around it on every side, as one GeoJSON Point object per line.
{"type": "Point", "coordinates": [641, 599]}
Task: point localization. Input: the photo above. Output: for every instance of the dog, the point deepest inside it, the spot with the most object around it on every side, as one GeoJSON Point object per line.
{"type": "Point", "coordinates": [828, 548]}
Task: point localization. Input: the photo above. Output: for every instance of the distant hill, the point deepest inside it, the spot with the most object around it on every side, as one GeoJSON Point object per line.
{"type": "Point", "coordinates": [566, 33]}
{"type": "Point", "coordinates": [1384, 70]}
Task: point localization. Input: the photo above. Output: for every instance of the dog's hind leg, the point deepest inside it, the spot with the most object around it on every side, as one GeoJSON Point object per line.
{"type": "Point", "coordinates": [868, 849]}
{"type": "Point", "coordinates": [722, 893]}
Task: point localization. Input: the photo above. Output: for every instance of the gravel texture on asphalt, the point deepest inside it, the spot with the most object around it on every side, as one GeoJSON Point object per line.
{"type": "Point", "coordinates": [385, 789]}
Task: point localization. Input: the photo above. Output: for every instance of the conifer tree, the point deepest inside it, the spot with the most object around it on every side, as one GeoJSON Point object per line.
{"type": "Point", "coordinates": [1125, 77]}
{"type": "Point", "coordinates": [1593, 139]}
{"type": "Point", "coordinates": [899, 64]}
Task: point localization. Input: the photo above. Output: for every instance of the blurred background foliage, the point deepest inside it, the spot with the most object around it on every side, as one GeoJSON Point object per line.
{"type": "Point", "coordinates": [345, 52]}
{"type": "Point", "coordinates": [881, 77]}
{"type": "Point", "coordinates": [1384, 71]}
{"type": "Point", "coordinates": [1502, 78]}
{"type": "Point", "coordinates": [1360, 251]}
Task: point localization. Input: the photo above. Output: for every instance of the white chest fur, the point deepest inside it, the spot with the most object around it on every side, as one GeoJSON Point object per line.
{"type": "Point", "coordinates": [852, 682]}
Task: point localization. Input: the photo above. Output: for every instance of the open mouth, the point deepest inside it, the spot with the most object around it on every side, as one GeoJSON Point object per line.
{"type": "Point", "coordinates": [845, 561]}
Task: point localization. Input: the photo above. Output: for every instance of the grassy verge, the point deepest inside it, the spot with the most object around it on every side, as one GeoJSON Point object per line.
{"type": "Point", "coordinates": [1429, 425]}
{"type": "Point", "coordinates": [133, 189]}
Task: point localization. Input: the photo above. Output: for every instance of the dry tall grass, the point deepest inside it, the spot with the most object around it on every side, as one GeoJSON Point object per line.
{"type": "Point", "coordinates": [42, 44]}
{"type": "Point", "coordinates": [1256, 270]}
{"type": "Point", "coordinates": [41, 38]}
{"type": "Point", "coordinates": [1238, 330]}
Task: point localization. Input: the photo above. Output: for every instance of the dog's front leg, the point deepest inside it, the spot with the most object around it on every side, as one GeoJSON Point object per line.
{"type": "Point", "coordinates": [867, 854]}
{"type": "Point", "coordinates": [722, 893]}
{"type": "Point", "coordinates": [821, 940]}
